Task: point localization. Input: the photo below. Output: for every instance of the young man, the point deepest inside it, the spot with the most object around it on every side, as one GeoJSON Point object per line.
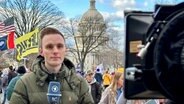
{"type": "Point", "coordinates": [95, 87]}
{"type": "Point", "coordinates": [51, 65]}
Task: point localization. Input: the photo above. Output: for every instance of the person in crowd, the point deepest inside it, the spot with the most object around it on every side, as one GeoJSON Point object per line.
{"type": "Point", "coordinates": [98, 76]}
{"type": "Point", "coordinates": [106, 79]}
{"type": "Point", "coordinates": [21, 70]}
{"type": "Point", "coordinates": [1, 72]}
{"type": "Point", "coordinates": [94, 86]}
{"type": "Point", "coordinates": [121, 99]}
{"type": "Point", "coordinates": [0, 82]}
{"type": "Point", "coordinates": [114, 90]}
{"type": "Point", "coordinates": [11, 73]}
{"type": "Point", "coordinates": [51, 65]}
{"type": "Point", "coordinates": [4, 85]}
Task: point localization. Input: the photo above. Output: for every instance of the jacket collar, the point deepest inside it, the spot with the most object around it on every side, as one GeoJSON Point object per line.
{"type": "Point", "coordinates": [43, 76]}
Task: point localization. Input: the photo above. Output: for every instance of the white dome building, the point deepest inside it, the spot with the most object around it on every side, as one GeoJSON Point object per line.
{"type": "Point", "coordinates": [91, 32]}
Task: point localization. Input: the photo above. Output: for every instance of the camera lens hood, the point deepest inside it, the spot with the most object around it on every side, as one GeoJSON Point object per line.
{"type": "Point", "coordinates": [169, 58]}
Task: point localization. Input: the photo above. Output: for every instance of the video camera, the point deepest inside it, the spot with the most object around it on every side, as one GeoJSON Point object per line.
{"type": "Point", "coordinates": [154, 53]}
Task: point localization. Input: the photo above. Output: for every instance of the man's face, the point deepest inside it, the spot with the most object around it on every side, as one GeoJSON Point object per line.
{"type": "Point", "coordinates": [89, 78]}
{"type": "Point", "coordinates": [53, 49]}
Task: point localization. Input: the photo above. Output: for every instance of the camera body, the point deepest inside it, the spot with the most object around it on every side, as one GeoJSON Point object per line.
{"type": "Point", "coordinates": [154, 53]}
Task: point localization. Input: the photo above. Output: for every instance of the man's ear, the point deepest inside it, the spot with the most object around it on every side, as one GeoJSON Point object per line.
{"type": "Point", "coordinates": [41, 51]}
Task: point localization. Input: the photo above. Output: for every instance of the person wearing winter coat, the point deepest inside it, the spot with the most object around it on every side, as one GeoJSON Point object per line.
{"type": "Point", "coordinates": [106, 78]}
{"type": "Point", "coordinates": [4, 85]}
{"type": "Point", "coordinates": [21, 71]}
{"type": "Point", "coordinates": [11, 73]}
{"type": "Point", "coordinates": [51, 66]}
{"type": "Point", "coordinates": [94, 86]}
{"type": "Point", "coordinates": [121, 99]}
{"type": "Point", "coordinates": [114, 90]}
{"type": "Point", "coordinates": [98, 76]}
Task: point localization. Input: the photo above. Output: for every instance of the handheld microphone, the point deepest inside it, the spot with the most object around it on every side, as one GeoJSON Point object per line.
{"type": "Point", "coordinates": [53, 93]}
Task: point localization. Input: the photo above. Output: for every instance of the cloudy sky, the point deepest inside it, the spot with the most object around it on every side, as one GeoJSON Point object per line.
{"type": "Point", "coordinates": [110, 9]}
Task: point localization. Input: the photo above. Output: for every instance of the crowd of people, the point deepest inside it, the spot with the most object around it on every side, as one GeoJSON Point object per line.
{"type": "Point", "coordinates": [8, 80]}
{"type": "Point", "coordinates": [52, 65]}
{"type": "Point", "coordinates": [110, 88]}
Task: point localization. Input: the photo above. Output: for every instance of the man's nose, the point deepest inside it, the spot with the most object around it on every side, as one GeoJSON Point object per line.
{"type": "Point", "coordinates": [55, 49]}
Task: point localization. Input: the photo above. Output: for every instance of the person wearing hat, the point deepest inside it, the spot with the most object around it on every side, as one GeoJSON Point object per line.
{"type": "Point", "coordinates": [98, 76]}
{"type": "Point", "coordinates": [20, 71]}
{"type": "Point", "coordinates": [94, 86]}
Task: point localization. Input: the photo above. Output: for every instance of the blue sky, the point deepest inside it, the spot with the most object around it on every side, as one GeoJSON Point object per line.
{"type": "Point", "coordinates": [73, 8]}
{"type": "Point", "coordinates": [112, 10]}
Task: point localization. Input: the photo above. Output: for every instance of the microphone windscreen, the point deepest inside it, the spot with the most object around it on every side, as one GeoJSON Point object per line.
{"type": "Point", "coordinates": [54, 93]}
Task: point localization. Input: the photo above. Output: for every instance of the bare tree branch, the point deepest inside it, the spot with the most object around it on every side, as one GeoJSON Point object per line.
{"type": "Point", "coordinates": [88, 35]}
{"type": "Point", "coordinates": [31, 14]}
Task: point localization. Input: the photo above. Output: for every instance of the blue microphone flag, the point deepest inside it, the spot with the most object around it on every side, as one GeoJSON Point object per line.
{"type": "Point", "coordinates": [54, 93]}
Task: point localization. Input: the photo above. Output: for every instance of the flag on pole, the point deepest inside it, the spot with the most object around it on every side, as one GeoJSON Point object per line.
{"type": "Point", "coordinates": [27, 44]}
{"type": "Point", "coordinates": [7, 42]}
{"type": "Point", "coordinates": [7, 26]}
{"type": "Point", "coordinates": [1, 27]}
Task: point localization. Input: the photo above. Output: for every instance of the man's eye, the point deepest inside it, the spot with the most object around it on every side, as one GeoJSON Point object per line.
{"type": "Point", "coordinates": [49, 46]}
{"type": "Point", "coordinates": [60, 46]}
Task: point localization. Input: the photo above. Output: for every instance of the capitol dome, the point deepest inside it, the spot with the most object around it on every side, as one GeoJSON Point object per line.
{"type": "Point", "coordinates": [92, 14]}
